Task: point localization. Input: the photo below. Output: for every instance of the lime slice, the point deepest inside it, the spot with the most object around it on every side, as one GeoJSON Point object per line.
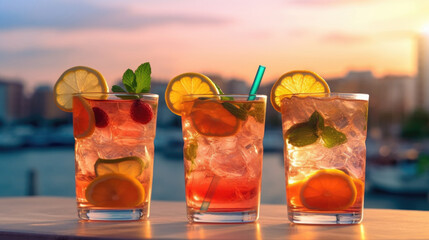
{"type": "Point", "coordinates": [131, 166]}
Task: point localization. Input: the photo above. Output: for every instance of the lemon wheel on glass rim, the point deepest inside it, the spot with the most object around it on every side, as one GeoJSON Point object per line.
{"type": "Point", "coordinates": [185, 84]}
{"type": "Point", "coordinates": [298, 81]}
{"type": "Point", "coordinates": [78, 79]}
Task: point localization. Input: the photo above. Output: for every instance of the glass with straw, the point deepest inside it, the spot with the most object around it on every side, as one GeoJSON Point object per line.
{"type": "Point", "coordinates": [223, 154]}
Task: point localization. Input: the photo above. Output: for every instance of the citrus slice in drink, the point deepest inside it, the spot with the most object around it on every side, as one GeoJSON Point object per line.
{"type": "Point", "coordinates": [83, 118]}
{"type": "Point", "coordinates": [185, 84]}
{"type": "Point", "coordinates": [293, 192]}
{"type": "Point", "coordinates": [328, 190]}
{"type": "Point", "coordinates": [211, 118]}
{"type": "Point", "coordinates": [131, 166]}
{"type": "Point", "coordinates": [115, 190]}
{"type": "Point", "coordinates": [299, 81]}
{"type": "Point", "coordinates": [78, 79]}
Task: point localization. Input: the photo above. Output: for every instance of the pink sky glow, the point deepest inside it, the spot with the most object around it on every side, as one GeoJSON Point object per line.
{"type": "Point", "coordinates": [227, 37]}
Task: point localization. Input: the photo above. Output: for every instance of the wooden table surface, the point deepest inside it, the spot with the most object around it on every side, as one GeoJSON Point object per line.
{"type": "Point", "coordinates": [56, 218]}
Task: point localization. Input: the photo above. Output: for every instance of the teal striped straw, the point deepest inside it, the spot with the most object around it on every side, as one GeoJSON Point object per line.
{"type": "Point", "coordinates": [256, 82]}
{"type": "Point", "coordinates": [213, 184]}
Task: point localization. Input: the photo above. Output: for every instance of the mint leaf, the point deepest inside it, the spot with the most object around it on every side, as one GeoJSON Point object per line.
{"type": "Point", "coordinates": [190, 151]}
{"type": "Point", "coordinates": [236, 111]}
{"type": "Point", "coordinates": [316, 120]}
{"type": "Point", "coordinates": [129, 81]}
{"type": "Point", "coordinates": [306, 133]}
{"type": "Point", "coordinates": [258, 112]}
{"type": "Point", "coordinates": [332, 137]}
{"type": "Point", "coordinates": [143, 78]}
{"type": "Point", "coordinates": [301, 134]}
{"type": "Point", "coordinates": [247, 106]}
{"type": "Point", "coordinates": [116, 88]}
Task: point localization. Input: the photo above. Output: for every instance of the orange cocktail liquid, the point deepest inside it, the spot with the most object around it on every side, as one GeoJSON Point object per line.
{"type": "Point", "coordinates": [230, 195]}
{"type": "Point", "coordinates": [325, 157]}
{"type": "Point", "coordinates": [223, 158]}
{"type": "Point", "coordinates": [114, 159]}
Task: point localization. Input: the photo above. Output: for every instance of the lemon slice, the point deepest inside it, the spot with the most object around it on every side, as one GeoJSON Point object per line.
{"type": "Point", "coordinates": [131, 166]}
{"type": "Point", "coordinates": [185, 84]}
{"type": "Point", "coordinates": [78, 79]}
{"type": "Point", "coordinates": [115, 190]}
{"type": "Point", "coordinates": [299, 81]}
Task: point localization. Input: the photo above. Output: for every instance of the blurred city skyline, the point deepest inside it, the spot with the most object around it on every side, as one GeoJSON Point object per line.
{"type": "Point", "coordinates": [39, 40]}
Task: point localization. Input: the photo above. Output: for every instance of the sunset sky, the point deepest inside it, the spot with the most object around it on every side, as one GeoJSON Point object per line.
{"type": "Point", "coordinates": [41, 39]}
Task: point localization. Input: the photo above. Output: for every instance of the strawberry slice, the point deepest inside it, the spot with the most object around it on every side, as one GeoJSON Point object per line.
{"type": "Point", "coordinates": [101, 117]}
{"type": "Point", "coordinates": [141, 112]}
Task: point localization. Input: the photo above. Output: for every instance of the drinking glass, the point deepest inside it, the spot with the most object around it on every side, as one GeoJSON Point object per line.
{"type": "Point", "coordinates": [114, 150]}
{"type": "Point", "coordinates": [223, 156]}
{"type": "Point", "coordinates": [324, 156]}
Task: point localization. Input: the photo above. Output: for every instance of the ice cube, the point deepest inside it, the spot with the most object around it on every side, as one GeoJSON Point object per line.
{"type": "Point", "coordinates": [355, 164]}
{"type": "Point", "coordinates": [223, 144]}
{"type": "Point", "coordinates": [86, 155]}
{"type": "Point", "coordinates": [228, 164]}
{"type": "Point", "coordinates": [102, 135]}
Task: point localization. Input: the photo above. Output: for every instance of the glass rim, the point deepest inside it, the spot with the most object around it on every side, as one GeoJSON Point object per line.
{"type": "Point", "coordinates": [226, 95]}
{"type": "Point", "coordinates": [356, 96]}
{"type": "Point", "coordinates": [154, 95]}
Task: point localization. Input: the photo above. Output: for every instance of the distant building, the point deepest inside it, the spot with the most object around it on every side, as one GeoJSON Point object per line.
{"type": "Point", "coordinates": [42, 105]}
{"type": "Point", "coordinates": [11, 100]}
{"type": "Point", "coordinates": [272, 117]}
{"type": "Point", "coordinates": [423, 71]}
{"type": "Point", "coordinates": [217, 79]}
{"type": "Point", "coordinates": [391, 98]}
{"type": "Point", "coordinates": [165, 116]}
{"type": "Point", "coordinates": [236, 86]}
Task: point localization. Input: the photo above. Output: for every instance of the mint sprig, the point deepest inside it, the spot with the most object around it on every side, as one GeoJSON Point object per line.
{"type": "Point", "coordinates": [135, 82]}
{"type": "Point", "coordinates": [143, 78]}
{"type": "Point", "coordinates": [243, 110]}
{"type": "Point", "coordinates": [190, 153]}
{"type": "Point", "coordinates": [306, 133]}
{"type": "Point", "coordinates": [238, 112]}
{"type": "Point", "coordinates": [332, 137]}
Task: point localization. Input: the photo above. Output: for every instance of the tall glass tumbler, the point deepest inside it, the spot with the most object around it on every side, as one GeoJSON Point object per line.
{"type": "Point", "coordinates": [223, 156]}
{"type": "Point", "coordinates": [114, 150]}
{"type": "Point", "coordinates": [325, 156]}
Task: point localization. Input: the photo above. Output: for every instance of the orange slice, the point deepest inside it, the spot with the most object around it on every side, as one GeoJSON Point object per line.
{"type": "Point", "coordinates": [115, 190]}
{"type": "Point", "coordinates": [185, 84]}
{"type": "Point", "coordinates": [328, 190]}
{"type": "Point", "coordinates": [360, 189]}
{"type": "Point", "coordinates": [78, 79]}
{"type": "Point", "coordinates": [292, 193]}
{"type": "Point", "coordinates": [210, 118]}
{"type": "Point", "coordinates": [83, 118]}
{"type": "Point", "coordinates": [299, 81]}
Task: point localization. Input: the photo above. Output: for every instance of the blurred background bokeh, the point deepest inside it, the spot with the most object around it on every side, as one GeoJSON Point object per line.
{"type": "Point", "coordinates": [379, 47]}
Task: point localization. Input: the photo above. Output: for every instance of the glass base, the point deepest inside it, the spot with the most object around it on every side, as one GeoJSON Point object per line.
{"type": "Point", "coordinates": [113, 215]}
{"type": "Point", "coordinates": [222, 217]}
{"type": "Point", "coordinates": [325, 218]}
